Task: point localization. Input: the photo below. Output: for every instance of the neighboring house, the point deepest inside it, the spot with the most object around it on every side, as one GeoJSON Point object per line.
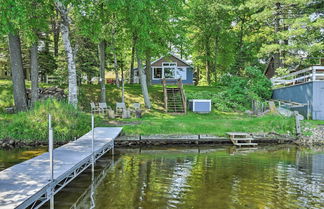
{"type": "Point", "coordinates": [169, 67]}
{"type": "Point", "coordinates": [270, 70]}
{"type": "Point", "coordinates": [110, 77]}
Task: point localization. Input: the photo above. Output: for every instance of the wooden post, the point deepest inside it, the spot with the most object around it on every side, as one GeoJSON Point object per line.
{"type": "Point", "coordinates": [297, 119]}
{"type": "Point", "coordinates": [308, 110]}
{"type": "Point", "coordinates": [313, 74]}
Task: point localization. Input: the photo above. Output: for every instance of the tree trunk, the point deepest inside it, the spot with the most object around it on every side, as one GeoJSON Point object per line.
{"type": "Point", "coordinates": [215, 59]}
{"type": "Point", "coordinates": [56, 33]}
{"type": "Point", "coordinates": [148, 69]}
{"type": "Point", "coordinates": [34, 72]}
{"type": "Point", "coordinates": [132, 63]}
{"type": "Point", "coordinates": [116, 67]}
{"type": "Point", "coordinates": [123, 81]}
{"type": "Point", "coordinates": [143, 82]}
{"type": "Point", "coordinates": [73, 87]}
{"type": "Point", "coordinates": [208, 63]}
{"type": "Point", "coordinates": [197, 75]}
{"type": "Point", "coordinates": [18, 79]}
{"type": "Point", "coordinates": [277, 59]}
{"type": "Point", "coordinates": [102, 58]}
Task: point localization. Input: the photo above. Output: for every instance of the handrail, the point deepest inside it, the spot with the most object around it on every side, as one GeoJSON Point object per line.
{"type": "Point", "coordinates": [184, 100]}
{"type": "Point", "coordinates": [165, 95]}
{"type": "Point", "coordinates": [180, 86]}
{"type": "Point", "coordinates": [313, 74]}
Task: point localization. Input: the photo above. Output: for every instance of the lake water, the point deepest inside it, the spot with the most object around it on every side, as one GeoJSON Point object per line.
{"type": "Point", "coordinates": [204, 178]}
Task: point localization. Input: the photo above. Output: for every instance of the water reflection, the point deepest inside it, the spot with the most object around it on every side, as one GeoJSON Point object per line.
{"type": "Point", "coordinates": [14, 156]}
{"type": "Point", "coordinates": [268, 177]}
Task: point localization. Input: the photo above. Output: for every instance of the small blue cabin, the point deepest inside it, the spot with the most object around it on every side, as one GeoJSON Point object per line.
{"type": "Point", "coordinates": [169, 67]}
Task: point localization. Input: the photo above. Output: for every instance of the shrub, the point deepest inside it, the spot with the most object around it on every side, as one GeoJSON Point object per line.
{"type": "Point", "coordinates": [237, 92]}
{"type": "Point", "coordinates": [31, 125]}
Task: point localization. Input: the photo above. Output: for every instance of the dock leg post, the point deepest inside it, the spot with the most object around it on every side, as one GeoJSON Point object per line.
{"type": "Point", "coordinates": [50, 150]}
{"type": "Point", "coordinates": [92, 142]}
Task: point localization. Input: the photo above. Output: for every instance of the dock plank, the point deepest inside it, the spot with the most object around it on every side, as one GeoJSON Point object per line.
{"type": "Point", "coordinates": [21, 182]}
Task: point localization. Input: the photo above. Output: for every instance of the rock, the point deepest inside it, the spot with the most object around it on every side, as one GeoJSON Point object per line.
{"type": "Point", "coordinates": [249, 112]}
{"type": "Point", "coordinates": [11, 142]}
{"type": "Point", "coordinates": [316, 137]}
{"type": "Point", "coordinates": [10, 110]}
{"type": "Point", "coordinates": [285, 112]}
{"type": "Point", "coordinates": [45, 93]}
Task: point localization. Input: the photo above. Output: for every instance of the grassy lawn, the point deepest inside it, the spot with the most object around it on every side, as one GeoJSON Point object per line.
{"type": "Point", "coordinates": [215, 123]}
{"type": "Point", "coordinates": [32, 125]}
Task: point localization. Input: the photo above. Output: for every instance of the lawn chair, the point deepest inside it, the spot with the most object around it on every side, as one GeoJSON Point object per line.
{"type": "Point", "coordinates": [135, 106]}
{"type": "Point", "coordinates": [120, 107]}
{"type": "Point", "coordinates": [94, 108]}
{"type": "Point", "coordinates": [135, 109]}
{"type": "Point", "coordinates": [104, 108]}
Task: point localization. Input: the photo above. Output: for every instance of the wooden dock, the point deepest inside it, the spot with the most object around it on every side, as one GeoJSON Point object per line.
{"type": "Point", "coordinates": [28, 185]}
{"type": "Point", "coordinates": [241, 139]}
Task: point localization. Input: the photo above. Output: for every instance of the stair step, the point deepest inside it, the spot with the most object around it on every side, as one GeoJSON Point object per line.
{"type": "Point", "coordinates": [245, 144]}
{"type": "Point", "coordinates": [242, 139]}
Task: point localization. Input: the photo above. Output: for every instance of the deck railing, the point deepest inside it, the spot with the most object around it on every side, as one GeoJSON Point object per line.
{"type": "Point", "coordinates": [314, 73]}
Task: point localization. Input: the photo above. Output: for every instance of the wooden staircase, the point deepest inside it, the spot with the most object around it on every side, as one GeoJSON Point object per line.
{"type": "Point", "coordinates": [241, 139]}
{"type": "Point", "coordinates": [174, 97]}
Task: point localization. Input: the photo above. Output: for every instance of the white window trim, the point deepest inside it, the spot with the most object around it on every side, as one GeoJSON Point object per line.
{"type": "Point", "coordinates": [152, 71]}
{"type": "Point", "coordinates": [175, 68]}
{"type": "Point", "coordinates": [176, 64]}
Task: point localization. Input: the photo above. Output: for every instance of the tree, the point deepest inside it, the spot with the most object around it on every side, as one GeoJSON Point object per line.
{"type": "Point", "coordinates": [102, 58]}
{"type": "Point", "coordinates": [18, 78]}
{"type": "Point", "coordinates": [73, 87]}
{"type": "Point", "coordinates": [13, 14]}
{"type": "Point", "coordinates": [289, 30]}
{"type": "Point", "coordinates": [37, 22]}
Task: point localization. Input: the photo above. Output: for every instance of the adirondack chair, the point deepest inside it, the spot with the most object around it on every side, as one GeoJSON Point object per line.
{"type": "Point", "coordinates": [120, 108]}
{"type": "Point", "coordinates": [104, 108]}
{"type": "Point", "coordinates": [135, 109]}
{"type": "Point", "coordinates": [135, 106]}
{"type": "Point", "coordinates": [94, 108]}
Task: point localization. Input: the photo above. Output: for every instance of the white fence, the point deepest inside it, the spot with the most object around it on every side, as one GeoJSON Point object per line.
{"type": "Point", "coordinates": [314, 73]}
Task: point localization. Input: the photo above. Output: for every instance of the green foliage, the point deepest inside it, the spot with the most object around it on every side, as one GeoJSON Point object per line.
{"type": "Point", "coordinates": [32, 125]}
{"type": "Point", "coordinates": [237, 92]}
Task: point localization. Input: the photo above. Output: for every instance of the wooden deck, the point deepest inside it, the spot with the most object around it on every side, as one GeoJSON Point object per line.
{"type": "Point", "coordinates": [28, 184]}
{"type": "Point", "coordinates": [241, 139]}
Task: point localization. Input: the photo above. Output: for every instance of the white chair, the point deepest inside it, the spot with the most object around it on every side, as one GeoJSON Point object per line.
{"type": "Point", "coordinates": [94, 108]}
{"type": "Point", "coordinates": [104, 108]}
{"type": "Point", "coordinates": [120, 107]}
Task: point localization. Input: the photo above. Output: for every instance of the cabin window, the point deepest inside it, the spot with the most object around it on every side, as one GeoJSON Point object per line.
{"type": "Point", "coordinates": [169, 72]}
{"type": "Point", "coordinates": [181, 72]}
{"type": "Point", "coordinates": [167, 64]}
{"type": "Point", "coordinates": [157, 73]}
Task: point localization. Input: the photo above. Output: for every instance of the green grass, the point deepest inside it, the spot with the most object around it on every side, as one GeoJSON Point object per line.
{"type": "Point", "coordinates": [214, 123]}
{"type": "Point", "coordinates": [32, 125]}
{"type": "Point", "coordinates": [70, 123]}
{"type": "Point", "coordinates": [315, 122]}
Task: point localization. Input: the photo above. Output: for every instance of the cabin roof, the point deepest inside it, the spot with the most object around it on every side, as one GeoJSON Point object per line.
{"type": "Point", "coordinates": [172, 57]}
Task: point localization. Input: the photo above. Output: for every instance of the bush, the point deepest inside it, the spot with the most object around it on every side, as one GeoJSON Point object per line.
{"type": "Point", "coordinates": [32, 125]}
{"type": "Point", "coordinates": [237, 92]}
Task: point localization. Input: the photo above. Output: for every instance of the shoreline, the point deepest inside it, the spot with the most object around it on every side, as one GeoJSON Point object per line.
{"type": "Point", "coordinates": [161, 139]}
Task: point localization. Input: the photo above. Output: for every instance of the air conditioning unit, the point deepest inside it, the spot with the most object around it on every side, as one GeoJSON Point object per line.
{"type": "Point", "coordinates": [200, 105]}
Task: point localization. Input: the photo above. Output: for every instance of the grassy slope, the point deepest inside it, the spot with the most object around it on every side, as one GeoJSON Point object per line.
{"type": "Point", "coordinates": [155, 121]}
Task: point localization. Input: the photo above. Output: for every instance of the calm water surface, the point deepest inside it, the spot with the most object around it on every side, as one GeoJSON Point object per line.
{"type": "Point", "coordinates": [204, 178]}
{"type": "Point", "coordinates": [11, 157]}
